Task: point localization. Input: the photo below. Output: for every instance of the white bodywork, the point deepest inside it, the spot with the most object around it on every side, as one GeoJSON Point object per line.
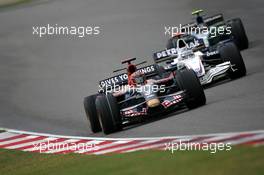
{"type": "Point", "coordinates": [214, 73]}
{"type": "Point", "coordinates": [194, 61]}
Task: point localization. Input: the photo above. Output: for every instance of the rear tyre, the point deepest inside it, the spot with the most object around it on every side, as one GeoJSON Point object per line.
{"type": "Point", "coordinates": [108, 113]}
{"type": "Point", "coordinates": [239, 33]}
{"type": "Point", "coordinates": [91, 114]}
{"type": "Point", "coordinates": [229, 52]}
{"type": "Point", "coordinates": [188, 81]}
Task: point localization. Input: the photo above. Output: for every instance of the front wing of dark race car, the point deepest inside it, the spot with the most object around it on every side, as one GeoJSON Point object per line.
{"type": "Point", "coordinates": [166, 103]}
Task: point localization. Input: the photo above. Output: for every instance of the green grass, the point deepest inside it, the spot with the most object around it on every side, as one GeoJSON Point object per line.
{"type": "Point", "coordinates": [240, 160]}
{"type": "Point", "coordinates": [9, 3]}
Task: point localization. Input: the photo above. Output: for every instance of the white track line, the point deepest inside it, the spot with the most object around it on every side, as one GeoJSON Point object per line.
{"type": "Point", "coordinates": [132, 138]}
{"type": "Point", "coordinates": [247, 139]}
{"type": "Point", "coordinates": [218, 138]}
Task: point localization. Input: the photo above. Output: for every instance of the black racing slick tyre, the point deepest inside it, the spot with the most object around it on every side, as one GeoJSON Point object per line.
{"type": "Point", "coordinates": [108, 113]}
{"type": "Point", "coordinates": [189, 82]}
{"type": "Point", "coordinates": [91, 113]}
{"type": "Point", "coordinates": [229, 52]}
{"type": "Point", "coordinates": [238, 33]}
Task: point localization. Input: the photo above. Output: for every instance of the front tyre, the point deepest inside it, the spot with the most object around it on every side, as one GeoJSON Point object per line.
{"type": "Point", "coordinates": [189, 82]}
{"type": "Point", "coordinates": [108, 113]}
{"type": "Point", "coordinates": [239, 34]}
{"type": "Point", "coordinates": [91, 114]}
{"type": "Point", "coordinates": [229, 52]}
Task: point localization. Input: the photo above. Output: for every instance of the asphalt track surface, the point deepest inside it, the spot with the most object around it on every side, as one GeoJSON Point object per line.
{"type": "Point", "coordinates": [43, 80]}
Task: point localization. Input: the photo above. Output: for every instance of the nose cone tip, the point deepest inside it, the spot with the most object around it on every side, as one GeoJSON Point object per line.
{"type": "Point", "coordinates": [153, 103]}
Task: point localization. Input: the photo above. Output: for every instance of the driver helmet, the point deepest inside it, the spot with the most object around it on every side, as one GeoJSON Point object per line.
{"type": "Point", "coordinates": [182, 44]}
{"type": "Point", "coordinates": [184, 51]}
{"type": "Point", "coordinates": [131, 69]}
{"type": "Point", "coordinates": [199, 20]}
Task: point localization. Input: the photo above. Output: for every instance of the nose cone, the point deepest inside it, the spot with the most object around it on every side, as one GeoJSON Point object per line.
{"type": "Point", "coordinates": [153, 103]}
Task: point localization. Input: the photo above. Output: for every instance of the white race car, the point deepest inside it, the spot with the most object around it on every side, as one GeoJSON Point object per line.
{"type": "Point", "coordinates": [226, 60]}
